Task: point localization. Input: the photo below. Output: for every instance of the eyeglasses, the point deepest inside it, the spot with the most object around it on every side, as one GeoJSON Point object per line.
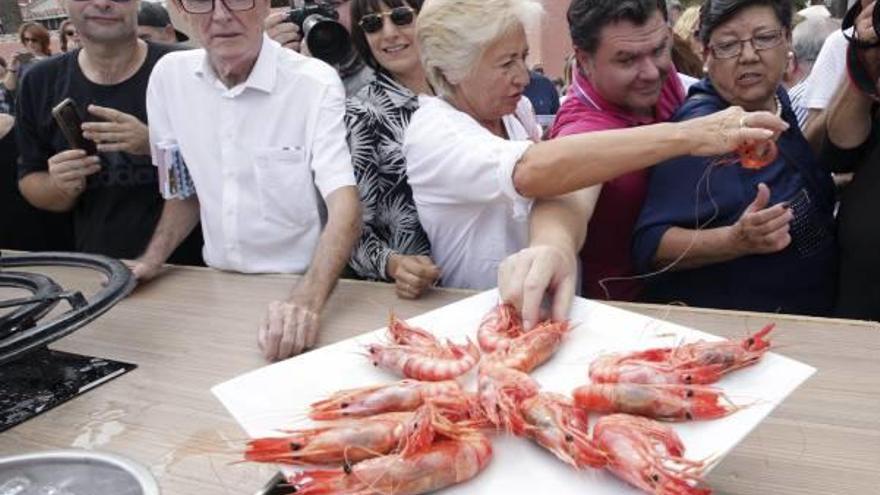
{"type": "Point", "coordinates": [760, 41]}
{"type": "Point", "coordinates": [400, 16]}
{"type": "Point", "coordinates": [30, 40]}
{"type": "Point", "coordinates": [206, 6]}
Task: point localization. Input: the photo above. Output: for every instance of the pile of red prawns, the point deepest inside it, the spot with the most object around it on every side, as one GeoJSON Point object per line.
{"type": "Point", "coordinates": [426, 432]}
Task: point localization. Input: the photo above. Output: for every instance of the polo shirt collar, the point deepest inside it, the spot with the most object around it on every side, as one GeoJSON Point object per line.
{"type": "Point", "coordinates": [263, 75]}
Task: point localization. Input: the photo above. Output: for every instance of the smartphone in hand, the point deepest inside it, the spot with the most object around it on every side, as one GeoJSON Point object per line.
{"type": "Point", "coordinates": [69, 120]}
{"type": "Point", "coordinates": [23, 57]}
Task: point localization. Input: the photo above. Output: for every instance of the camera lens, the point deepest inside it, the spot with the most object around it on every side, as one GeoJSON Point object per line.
{"type": "Point", "coordinates": [327, 39]}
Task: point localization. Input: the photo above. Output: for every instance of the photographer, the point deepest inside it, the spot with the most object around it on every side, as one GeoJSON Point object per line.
{"type": "Point", "coordinates": [853, 132]}
{"type": "Point", "coordinates": [287, 28]}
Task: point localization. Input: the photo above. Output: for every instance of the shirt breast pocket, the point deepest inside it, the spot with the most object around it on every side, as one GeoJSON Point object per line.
{"type": "Point", "coordinates": [285, 188]}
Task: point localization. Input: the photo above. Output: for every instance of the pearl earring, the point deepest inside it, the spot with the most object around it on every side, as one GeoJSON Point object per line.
{"type": "Point", "coordinates": [790, 54]}
{"type": "Point", "coordinates": [705, 68]}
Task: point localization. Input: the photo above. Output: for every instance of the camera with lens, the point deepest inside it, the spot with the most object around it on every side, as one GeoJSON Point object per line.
{"type": "Point", "coordinates": [323, 35]}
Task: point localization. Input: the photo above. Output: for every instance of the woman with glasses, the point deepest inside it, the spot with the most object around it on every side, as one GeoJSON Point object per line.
{"type": "Point", "coordinates": [68, 36]}
{"type": "Point", "coordinates": [732, 236]}
{"type": "Point", "coordinates": [393, 246]}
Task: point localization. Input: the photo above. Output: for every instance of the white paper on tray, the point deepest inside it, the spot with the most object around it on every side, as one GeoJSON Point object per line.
{"type": "Point", "coordinates": [277, 396]}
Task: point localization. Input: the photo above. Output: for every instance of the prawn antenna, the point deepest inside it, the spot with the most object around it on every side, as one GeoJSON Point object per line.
{"type": "Point", "coordinates": [698, 226]}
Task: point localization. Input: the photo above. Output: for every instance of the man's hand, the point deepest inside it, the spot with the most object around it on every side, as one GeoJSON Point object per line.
{"type": "Point", "coordinates": [524, 278]}
{"type": "Point", "coordinates": [284, 32]}
{"type": "Point", "coordinates": [68, 171]}
{"type": "Point", "coordinates": [412, 274]}
{"type": "Point", "coordinates": [292, 326]}
{"type": "Point", "coordinates": [288, 329]}
{"type": "Point", "coordinates": [762, 230]}
{"type": "Point", "coordinates": [145, 270]}
{"type": "Point", "coordinates": [119, 132]}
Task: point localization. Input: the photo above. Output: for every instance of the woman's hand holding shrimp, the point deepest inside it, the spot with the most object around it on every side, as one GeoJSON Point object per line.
{"type": "Point", "coordinates": [726, 131]}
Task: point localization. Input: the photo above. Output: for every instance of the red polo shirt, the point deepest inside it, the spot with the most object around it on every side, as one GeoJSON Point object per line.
{"type": "Point", "coordinates": [606, 252]}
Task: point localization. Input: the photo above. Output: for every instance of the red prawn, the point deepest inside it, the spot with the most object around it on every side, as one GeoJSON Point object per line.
{"type": "Point", "coordinates": [757, 155]}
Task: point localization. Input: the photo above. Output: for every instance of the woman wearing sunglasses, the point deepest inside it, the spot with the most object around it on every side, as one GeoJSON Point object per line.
{"type": "Point", "coordinates": [68, 35]}
{"type": "Point", "coordinates": [393, 246]}
{"type": "Point", "coordinates": [35, 39]}
{"type": "Point", "coordinates": [766, 237]}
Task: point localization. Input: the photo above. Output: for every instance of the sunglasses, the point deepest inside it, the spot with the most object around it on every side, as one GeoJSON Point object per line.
{"type": "Point", "coordinates": [400, 16]}
{"type": "Point", "coordinates": [70, 33]}
{"type": "Point", "coordinates": [206, 6]}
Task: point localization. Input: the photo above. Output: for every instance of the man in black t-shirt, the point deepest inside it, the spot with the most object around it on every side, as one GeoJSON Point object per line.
{"type": "Point", "coordinates": [114, 195]}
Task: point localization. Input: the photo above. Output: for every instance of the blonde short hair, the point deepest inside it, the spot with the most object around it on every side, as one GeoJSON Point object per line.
{"type": "Point", "coordinates": [453, 34]}
{"type": "Point", "coordinates": [688, 23]}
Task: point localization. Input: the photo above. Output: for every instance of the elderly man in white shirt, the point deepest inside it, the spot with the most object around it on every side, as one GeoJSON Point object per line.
{"type": "Point", "coordinates": [261, 131]}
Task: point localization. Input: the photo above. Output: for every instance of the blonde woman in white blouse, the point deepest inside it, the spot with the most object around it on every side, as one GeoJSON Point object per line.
{"type": "Point", "coordinates": [473, 154]}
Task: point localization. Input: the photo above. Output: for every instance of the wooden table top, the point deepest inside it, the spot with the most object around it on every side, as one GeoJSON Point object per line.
{"type": "Point", "coordinates": [194, 328]}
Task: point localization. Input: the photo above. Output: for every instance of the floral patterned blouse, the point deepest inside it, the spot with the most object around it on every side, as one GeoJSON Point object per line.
{"type": "Point", "coordinates": [377, 118]}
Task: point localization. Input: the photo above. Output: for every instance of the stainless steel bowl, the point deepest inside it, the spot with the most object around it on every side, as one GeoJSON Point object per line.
{"type": "Point", "coordinates": [74, 472]}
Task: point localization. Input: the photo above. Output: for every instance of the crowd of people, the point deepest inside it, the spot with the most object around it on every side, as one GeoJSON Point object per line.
{"type": "Point", "coordinates": [434, 155]}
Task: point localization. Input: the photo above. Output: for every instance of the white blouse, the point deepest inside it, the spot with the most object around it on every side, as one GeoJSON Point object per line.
{"type": "Point", "coordinates": [462, 180]}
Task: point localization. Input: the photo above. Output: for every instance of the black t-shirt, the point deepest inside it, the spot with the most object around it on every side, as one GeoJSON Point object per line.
{"type": "Point", "coordinates": [118, 211]}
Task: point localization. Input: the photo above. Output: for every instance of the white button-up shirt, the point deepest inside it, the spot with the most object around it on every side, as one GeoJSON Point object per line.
{"type": "Point", "coordinates": [256, 152]}
{"type": "Point", "coordinates": [462, 180]}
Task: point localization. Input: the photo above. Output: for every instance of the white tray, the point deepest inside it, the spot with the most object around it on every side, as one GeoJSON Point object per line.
{"type": "Point", "coordinates": [277, 396]}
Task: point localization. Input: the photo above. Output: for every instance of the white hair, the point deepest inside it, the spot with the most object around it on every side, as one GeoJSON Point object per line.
{"type": "Point", "coordinates": [809, 35]}
{"type": "Point", "coordinates": [453, 34]}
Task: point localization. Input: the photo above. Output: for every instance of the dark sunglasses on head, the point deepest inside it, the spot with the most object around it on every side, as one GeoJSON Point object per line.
{"type": "Point", "coordinates": [400, 16]}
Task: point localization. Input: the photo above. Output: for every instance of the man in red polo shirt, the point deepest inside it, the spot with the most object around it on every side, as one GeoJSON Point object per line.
{"type": "Point", "coordinates": [624, 77]}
